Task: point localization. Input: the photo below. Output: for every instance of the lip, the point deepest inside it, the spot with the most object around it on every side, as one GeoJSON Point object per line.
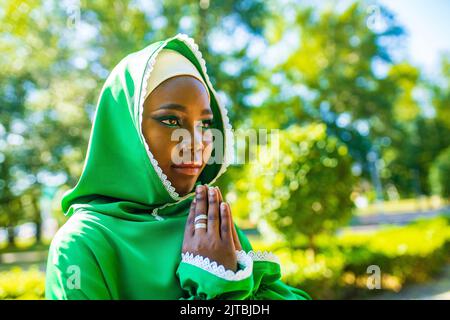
{"type": "Point", "coordinates": [189, 169]}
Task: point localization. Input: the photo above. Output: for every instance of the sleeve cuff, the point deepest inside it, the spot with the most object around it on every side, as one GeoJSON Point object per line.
{"type": "Point", "coordinates": [206, 279]}
{"type": "Point", "coordinates": [264, 256]}
{"type": "Point", "coordinates": [267, 279]}
{"type": "Point", "coordinates": [266, 268]}
{"type": "Point", "coordinates": [212, 267]}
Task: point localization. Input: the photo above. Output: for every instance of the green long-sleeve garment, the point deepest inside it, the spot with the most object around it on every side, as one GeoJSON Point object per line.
{"type": "Point", "coordinates": [126, 223]}
{"type": "Point", "coordinates": [95, 257]}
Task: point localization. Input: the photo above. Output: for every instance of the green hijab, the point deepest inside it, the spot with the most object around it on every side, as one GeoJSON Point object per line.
{"type": "Point", "coordinates": [120, 175]}
{"type": "Point", "coordinates": [124, 235]}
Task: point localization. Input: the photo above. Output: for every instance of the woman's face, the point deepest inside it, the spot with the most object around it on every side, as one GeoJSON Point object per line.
{"type": "Point", "coordinates": [180, 102]}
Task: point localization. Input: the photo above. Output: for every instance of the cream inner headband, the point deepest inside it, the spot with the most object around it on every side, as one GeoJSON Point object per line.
{"type": "Point", "coordinates": [168, 64]}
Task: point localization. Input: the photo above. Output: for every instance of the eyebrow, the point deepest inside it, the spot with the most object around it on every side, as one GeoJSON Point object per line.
{"type": "Point", "coordinates": [179, 107]}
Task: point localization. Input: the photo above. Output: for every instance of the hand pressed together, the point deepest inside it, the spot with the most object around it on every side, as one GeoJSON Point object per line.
{"type": "Point", "coordinates": [219, 240]}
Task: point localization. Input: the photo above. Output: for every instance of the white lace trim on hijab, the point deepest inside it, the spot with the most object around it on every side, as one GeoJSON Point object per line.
{"type": "Point", "coordinates": [224, 113]}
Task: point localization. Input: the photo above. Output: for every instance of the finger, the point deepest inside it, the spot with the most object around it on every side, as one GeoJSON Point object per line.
{"type": "Point", "coordinates": [237, 243]}
{"type": "Point", "coordinates": [220, 194]}
{"type": "Point", "coordinates": [220, 201]}
{"type": "Point", "coordinates": [189, 229]}
{"type": "Point", "coordinates": [225, 224]}
{"type": "Point", "coordinates": [200, 208]}
{"type": "Point", "coordinates": [213, 212]}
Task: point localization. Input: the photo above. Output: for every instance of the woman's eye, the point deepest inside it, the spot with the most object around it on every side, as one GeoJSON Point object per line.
{"type": "Point", "coordinates": [171, 122]}
{"type": "Point", "coordinates": [207, 123]}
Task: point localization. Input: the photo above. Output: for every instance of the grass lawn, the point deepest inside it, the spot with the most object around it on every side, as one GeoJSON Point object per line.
{"type": "Point", "coordinates": [24, 245]}
{"type": "Point", "coordinates": [403, 206]}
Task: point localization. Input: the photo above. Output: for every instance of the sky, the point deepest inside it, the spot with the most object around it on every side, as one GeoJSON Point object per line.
{"type": "Point", "coordinates": [427, 24]}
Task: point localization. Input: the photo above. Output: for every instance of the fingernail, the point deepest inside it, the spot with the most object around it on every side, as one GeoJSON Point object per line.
{"type": "Point", "coordinates": [222, 206]}
{"type": "Point", "coordinates": [199, 188]}
{"type": "Point", "coordinates": [211, 191]}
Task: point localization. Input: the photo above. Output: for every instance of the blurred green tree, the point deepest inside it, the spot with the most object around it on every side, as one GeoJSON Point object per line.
{"type": "Point", "coordinates": [421, 130]}
{"type": "Point", "coordinates": [440, 173]}
{"type": "Point", "coordinates": [333, 69]}
{"type": "Point", "coordinates": [56, 56]}
{"type": "Point", "coordinates": [304, 187]}
{"type": "Point", "coordinates": [274, 66]}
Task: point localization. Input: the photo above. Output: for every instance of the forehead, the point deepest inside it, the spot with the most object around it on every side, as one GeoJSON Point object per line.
{"type": "Point", "coordinates": [182, 90]}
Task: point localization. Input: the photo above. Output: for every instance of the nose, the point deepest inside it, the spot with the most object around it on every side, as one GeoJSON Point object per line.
{"type": "Point", "coordinates": [194, 145]}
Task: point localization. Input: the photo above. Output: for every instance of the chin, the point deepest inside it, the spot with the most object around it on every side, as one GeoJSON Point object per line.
{"type": "Point", "coordinates": [185, 187]}
{"type": "Point", "coordinates": [182, 183]}
{"type": "Point", "coordinates": [183, 192]}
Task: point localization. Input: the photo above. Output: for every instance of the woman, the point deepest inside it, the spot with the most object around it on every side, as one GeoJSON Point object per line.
{"type": "Point", "coordinates": [145, 220]}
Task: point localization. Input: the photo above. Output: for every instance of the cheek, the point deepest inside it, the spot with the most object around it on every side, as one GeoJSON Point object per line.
{"type": "Point", "coordinates": [159, 143]}
{"type": "Point", "coordinates": [208, 147]}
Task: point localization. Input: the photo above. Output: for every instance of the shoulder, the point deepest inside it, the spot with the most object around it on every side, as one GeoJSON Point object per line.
{"type": "Point", "coordinates": [81, 236]}
{"type": "Point", "coordinates": [79, 256]}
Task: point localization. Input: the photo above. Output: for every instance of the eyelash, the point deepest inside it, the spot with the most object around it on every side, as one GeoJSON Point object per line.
{"type": "Point", "coordinates": [208, 121]}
